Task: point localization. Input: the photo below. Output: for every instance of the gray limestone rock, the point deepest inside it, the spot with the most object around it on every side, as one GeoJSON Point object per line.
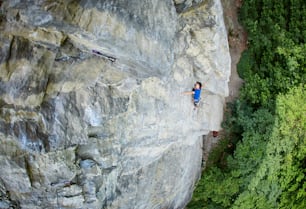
{"type": "Point", "coordinates": [184, 5]}
{"type": "Point", "coordinates": [91, 111]}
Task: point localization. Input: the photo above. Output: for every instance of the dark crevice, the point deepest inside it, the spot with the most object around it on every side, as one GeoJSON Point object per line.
{"type": "Point", "coordinates": [105, 56]}
{"type": "Point", "coordinates": [9, 55]}
{"type": "Point", "coordinates": [28, 171]}
{"type": "Point", "coordinates": [47, 83]}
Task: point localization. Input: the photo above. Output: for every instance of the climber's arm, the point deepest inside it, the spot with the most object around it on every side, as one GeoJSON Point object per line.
{"type": "Point", "coordinates": [188, 92]}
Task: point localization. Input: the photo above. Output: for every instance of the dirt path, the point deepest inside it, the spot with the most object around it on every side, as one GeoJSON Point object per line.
{"type": "Point", "coordinates": [237, 39]}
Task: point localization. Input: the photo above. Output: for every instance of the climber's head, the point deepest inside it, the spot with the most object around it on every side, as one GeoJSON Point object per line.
{"type": "Point", "coordinates": [198, 85]}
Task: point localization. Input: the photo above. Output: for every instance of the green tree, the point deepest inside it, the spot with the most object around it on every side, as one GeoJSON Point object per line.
{"type": "Point", "coordinates": [279, 181]}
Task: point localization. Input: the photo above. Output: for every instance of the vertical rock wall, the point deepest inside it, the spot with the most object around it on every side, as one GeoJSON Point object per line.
{"type": "Point", "coordinates": [91, 114]}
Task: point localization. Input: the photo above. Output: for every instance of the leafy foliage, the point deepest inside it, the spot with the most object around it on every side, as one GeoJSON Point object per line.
{"type": "Point", "coordinates": [276, 59]}
{"type": "Point", "coordinates": [279, 180]}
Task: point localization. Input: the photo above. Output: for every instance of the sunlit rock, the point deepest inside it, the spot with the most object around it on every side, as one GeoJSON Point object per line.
{"type": "Point", "coordinates": [92, 114]}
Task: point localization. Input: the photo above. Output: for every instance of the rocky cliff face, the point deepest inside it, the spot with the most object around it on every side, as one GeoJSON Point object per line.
{"type": "Point", "coordinates": [91, 112]}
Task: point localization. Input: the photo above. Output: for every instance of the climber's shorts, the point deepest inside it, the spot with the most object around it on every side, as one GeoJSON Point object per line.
{"type": "Point", "coordinates": [196, 103]}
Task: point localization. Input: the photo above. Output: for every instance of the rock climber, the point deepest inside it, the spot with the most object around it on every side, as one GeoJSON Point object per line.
{"type": "Point", "coordinates": [196, 92]}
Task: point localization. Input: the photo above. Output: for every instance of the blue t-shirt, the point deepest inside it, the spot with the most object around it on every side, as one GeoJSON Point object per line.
{"type": "Point", "coordinates": [197, 94]}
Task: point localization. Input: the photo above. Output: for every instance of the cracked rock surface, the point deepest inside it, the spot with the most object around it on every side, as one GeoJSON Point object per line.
{"type": "Point", "coordinates": [91, 111]}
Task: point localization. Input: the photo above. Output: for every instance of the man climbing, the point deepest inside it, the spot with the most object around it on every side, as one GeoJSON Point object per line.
{"type": "Point", "coordinates": [196, 92]}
